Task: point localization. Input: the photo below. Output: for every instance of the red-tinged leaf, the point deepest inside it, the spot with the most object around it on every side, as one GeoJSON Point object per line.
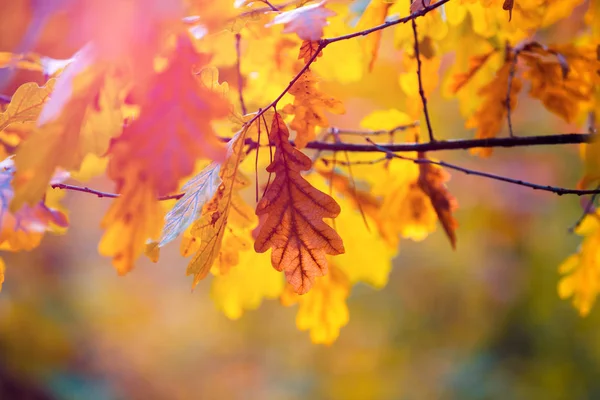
{"type": "Point", "coordinates": [294, 210]}
{"type": "Point", "coordinates": [432, 181]}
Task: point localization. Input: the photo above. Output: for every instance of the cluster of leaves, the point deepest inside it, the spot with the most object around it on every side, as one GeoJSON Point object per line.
{"type": "Point", "coordinates": [141, 102]}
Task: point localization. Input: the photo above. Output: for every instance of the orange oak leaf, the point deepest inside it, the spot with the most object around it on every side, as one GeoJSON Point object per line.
{"type": "Point", "coordinates": [306, 21]}
{"type": "Point", "coordinates": [560, 77]}
{"type": "Point", "coordinates": [490, 117]}
{"type": "Point", "coordinates": [432, 181]}
{"type": "Point", "coordinates": [308, 50]}
{"type": "Point", "coordinates": [294, 210]}
{"type": "Point", "coordinates": [309, 108]}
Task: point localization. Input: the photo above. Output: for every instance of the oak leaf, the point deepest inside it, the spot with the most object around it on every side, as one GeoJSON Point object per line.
{"type": "Point", "coordinates": [309, 108]}
{"type": "Point", "coordinates": [490, 116]}
{"type": "Point", "coordinates": [26, 104]}
{"type": "Point", "coordinates": [307, 21]}
{"type": "Point", "coordinates": [432, 181]}
{"type": "Point", "coordinates": [294, 210]}
{"type": "Point", "coordinates": [322, 311]}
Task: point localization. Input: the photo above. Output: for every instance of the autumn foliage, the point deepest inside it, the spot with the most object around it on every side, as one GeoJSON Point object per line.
{"type": "Point", "coordinates": [212, 120]}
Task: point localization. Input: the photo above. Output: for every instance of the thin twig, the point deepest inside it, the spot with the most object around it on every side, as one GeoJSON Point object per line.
{"type": "Point", "coordinates": [100, 194]}
{"type": "Point", "coordinates": [325, 42]}
{"type": "Point", "coordinates": [420, 80]}
{"type": "Point", "coordinates": [238, 38]}
{"type": "Point", "coordinates": [4, 99]}
{"type": "Point", "coordinates": [511, 76]}
{"type": "Point", "coordinates": [271, 6]}
{"type": "Point", "coordinates": [398, 128]}
{"type": "Point", "coordinates": [588, 209]}
{"type": "Point", "coordinates": [552, 189]}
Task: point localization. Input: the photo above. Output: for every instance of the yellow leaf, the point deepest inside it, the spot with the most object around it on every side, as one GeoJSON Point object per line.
{"type": "Point", "coordinates": [323, 310]}
{"type": "Point", "coordinates": [133, 218]}
{"type": "Point", "coordinates": [245, 286]}
{"type": "Point", "coordinates": [374, 15]}
{"type": "Point", "coordinates": [26, 104]}
{"type": "Point", "coordinates": [581, 271]}
{"type": "Point", "coordinates": [294, 210]}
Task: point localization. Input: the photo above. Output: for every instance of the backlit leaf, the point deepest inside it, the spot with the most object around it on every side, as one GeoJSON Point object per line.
{"type": "Point", "coordinates": [294, 210]}
{"type": "Point", "coordinates": [307, 21]}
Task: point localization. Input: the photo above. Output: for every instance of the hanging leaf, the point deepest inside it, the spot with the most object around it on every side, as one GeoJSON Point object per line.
{"type": "Point", "coordinates": [307, 21]}
{"type": "Point", "coordinates": [294, 210]}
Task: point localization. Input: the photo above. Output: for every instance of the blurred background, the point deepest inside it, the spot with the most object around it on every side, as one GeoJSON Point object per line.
{"type": "Point", "coordinates": [481, 322]}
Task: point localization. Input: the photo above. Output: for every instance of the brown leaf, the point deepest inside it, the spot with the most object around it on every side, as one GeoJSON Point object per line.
{"type": "Point", "coordinates": [432, 181]}
{"type": "Point", "coordinates": [508, 6]}
{"type": "Point", "coordinates": [418, 5]}
{"type": "Point", "coordinates": [475, 64]}
{"type": "Point", "coordinates": [294, 227]}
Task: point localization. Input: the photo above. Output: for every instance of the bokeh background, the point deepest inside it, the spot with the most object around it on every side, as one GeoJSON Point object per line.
{"type": "Point", "coordinates": [481, 322]}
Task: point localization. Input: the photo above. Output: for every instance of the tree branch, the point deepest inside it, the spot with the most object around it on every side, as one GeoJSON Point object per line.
{"type": "Point", "coordinates": [238, 39]}
{"type": "Point", "coordinates": [552, 189]}
{"type": "Point", "coordinates": [440, 145]}
{"type": "Point", "coordinates": [100, 194]}
{"type": "Point", "coordinates": [420, 80]}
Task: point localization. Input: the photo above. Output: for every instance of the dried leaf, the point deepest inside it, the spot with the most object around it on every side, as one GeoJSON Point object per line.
{"type": "Point", "coordinates": [294, 226]}
{"type": "Point", "coordinates": [432, 181]}
{"type": "Point", "coordinates": [309, 108]}
{"type": "Point", "coordinates": [306, 21]}
{"type": "Point", "coordinates": [508, 6]}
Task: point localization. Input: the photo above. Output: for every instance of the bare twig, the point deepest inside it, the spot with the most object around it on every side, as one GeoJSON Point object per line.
{"type": "Point", "coordinates": [589, 208]}
{"type": "Point", "coordinates": [398, 128]}
{"type": "Point", "coordinates": [238, 39]}
{"type": "Point", "coordinates": [271, 6]}
{"type": "Point", "coordinates": [4, 99]}
{"type": "Point", "coordinates": [420, 80]}
{"type": "Point", "coordinates": [511, 77]}
{"type": "Point", "coordinates": [552, 189]}
{"type": "Point", "coordinates": [100, 194]}
{"type": "Point", "coordinates": [325, 42]}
